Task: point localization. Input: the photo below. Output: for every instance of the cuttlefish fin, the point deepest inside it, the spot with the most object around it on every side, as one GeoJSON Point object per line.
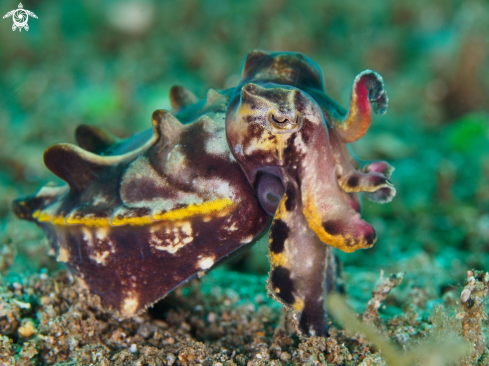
{"type": "Point", "coordinates": [94, 139]}
{"type": "Point", "coordinates": [181, 97]}
{"type": "Point", "coordinates": [166, 126]}
{"type": "Point", "coordinates": [74, 165]}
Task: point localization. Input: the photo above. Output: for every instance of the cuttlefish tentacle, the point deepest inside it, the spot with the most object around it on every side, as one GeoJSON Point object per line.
{"type": "Point", "coordinates": [371, 180]}
{"type": "Point", "coordinates": [368, 88]}
{"type": "Point", "coordinates": [299, 265]}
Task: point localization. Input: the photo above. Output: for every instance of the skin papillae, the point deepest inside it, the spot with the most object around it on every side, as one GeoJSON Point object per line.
{"type": "Point", "coordinates": [139, 217]}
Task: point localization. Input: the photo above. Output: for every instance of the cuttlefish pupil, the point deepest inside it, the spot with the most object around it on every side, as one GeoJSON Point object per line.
{"type": "Point", "coordinates": [273, 199]}
{"type": "Point", "coordinates": [281, 120]}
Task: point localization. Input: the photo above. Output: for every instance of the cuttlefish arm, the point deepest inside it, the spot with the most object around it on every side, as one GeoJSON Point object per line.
{"type": "Point", "coordinates": [373, 179]}
{"type": "Point", "coordinates": [325, 206]}
{"type": "Point", "coordinates": [301, 266]}
{"type": "Point", "coordinates": [367, 93]}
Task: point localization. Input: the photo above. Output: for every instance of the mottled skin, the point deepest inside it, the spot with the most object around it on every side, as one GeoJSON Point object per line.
{"type": "Point", "coordinates": [281, 123]}
{"type": "Point", "coordinates": [141, 216]}
{"type": "Point", "coordinates": [135, 225]}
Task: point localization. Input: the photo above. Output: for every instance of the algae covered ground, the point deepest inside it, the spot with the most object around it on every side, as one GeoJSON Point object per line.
{"type": "Point", "coordinates": [112, 63]}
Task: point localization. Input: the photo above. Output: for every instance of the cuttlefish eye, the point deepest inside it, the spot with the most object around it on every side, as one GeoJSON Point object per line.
{"type": "Point", "coordinates": [274, 119]}
{"type": "Point", "coordinates": [284, 122]}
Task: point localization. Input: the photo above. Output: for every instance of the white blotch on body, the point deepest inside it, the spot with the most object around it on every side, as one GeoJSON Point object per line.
{"type": "Point", "coordinates": [233, 227]}
{"type": "Point", "coordinates": [206, 262]}
{"type": "Point", "coordinates": [63, 255]}
{"type": "Point", "coordinates": [100, 257]}
{"type": "Point", "coordinates": [251, 147]}
{"type": "Point", "coordinates": [238, 149]}
{"type": "Point", "coordinates": [173, 238]}
{"type": "Point", "coordinates": [87, 236]}
{"type": "Point", "coordinates": [217, 145]}
{"type": "Point", "coordinates": [102, 233]}
{"type": "Point", "coordinates": [248, 239]}
{"type": "Point", "coordinates": [129, 306]}
{"type": "Point", "coordinates": [98, 199]}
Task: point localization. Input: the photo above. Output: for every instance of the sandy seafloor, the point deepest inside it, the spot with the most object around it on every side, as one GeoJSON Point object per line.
{"type": "Point", "coordinates": [111, 64]}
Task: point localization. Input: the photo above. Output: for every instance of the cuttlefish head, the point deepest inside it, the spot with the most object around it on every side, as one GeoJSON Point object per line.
{"type": "Point", "coordinates": [296, 161]}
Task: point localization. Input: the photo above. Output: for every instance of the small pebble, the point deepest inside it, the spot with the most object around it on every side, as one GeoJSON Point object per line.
{"type": "Point", "coordinates": [160, 323]}
{"type": "Point", "coordinates": [465, 295]}
{"type": "Point", "coordinates": [259, 299]}
{"type": "Point", "coordinates": [22, 305]}
{"type": "Point", "coordinates": [139, 319]}
{"type": "Point", "coordinates": [133, 348]}
{"type": "Point", "coordinates": [211, 318]}
{"type": "Point", "coordinates": [198, 308]}
{"type": "Point", "coordinates": [170, 358]}
{"type": "Point", "coordinates": [185, 327]}
{"type": "Point", "coordinates": [285, 357]}
{"type": "Point", "coordinates": [146, 330]}
{"type": "Point", "coordinates": [27, 329]}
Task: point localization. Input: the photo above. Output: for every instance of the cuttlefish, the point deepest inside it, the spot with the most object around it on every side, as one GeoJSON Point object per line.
{"type": "Point", "coordinates": [141, 216]}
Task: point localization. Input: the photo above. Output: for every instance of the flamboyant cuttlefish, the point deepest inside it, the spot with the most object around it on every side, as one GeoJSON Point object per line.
{"type": "Point", "coordinates": [141, 216]}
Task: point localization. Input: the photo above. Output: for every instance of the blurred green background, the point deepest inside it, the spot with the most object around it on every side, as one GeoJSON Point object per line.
{"type": "Point", "coordinates": [112, 63]}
